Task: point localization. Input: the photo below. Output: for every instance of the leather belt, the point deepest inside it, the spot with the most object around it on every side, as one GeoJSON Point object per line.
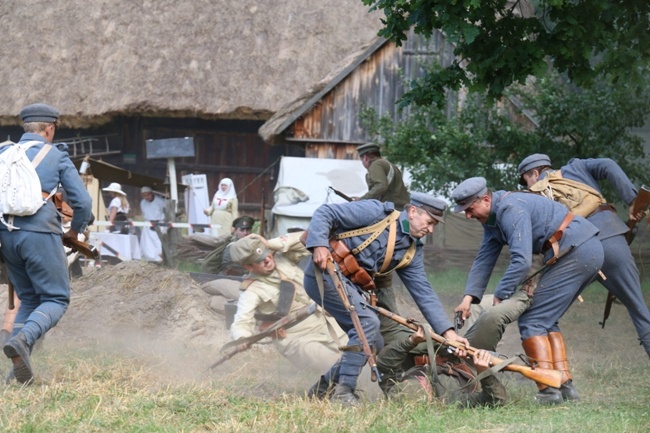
{"type": "Point", "coordinates": [552, 242]}
{"type": "Point", "coordinates": [603, 207]}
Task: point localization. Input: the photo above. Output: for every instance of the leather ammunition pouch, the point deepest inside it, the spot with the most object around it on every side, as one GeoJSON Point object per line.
{"type": "Point", "coordinates": [61, 206]}
{"type": "Point", "coordinates": [350, 267]}
{"type": "Point", "coordinates": [452, 367]}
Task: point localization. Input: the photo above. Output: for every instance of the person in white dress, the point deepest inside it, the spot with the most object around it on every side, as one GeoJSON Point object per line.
{"type": "Point", "coordinates": [224, 208]}
{"type": "Point", "coordinates": [153, 209]}
{"type": "Point", "coordinates": [118, 208]}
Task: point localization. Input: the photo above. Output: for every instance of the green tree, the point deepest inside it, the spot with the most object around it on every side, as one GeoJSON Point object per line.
{"type": "Point", "coordinates": [482, 140]}
{"type": "Point", "coordinates": [500, 42]}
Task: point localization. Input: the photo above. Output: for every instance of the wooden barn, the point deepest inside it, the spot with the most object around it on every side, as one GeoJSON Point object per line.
{"type": "Point", "coordinates": [123, 72]}
{"type": "Point", "coordinates": [326, 120]}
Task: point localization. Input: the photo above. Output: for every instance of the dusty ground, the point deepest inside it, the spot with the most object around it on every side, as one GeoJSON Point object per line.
{"type": "Point", "coordinates": [162, 318]}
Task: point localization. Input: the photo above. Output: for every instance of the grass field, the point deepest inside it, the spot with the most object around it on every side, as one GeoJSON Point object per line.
{"type": "Point", "coordinates": [90, 387]}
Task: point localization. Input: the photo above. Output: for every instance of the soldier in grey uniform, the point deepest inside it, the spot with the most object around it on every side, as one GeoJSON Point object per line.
{"type": "Point", "coordinates": [621, 273]}
{"type": "Point", "coordinates": [530, 224]}
{"type": "Point", "coordinates": [36, 263]}
{"type": "Point", "coordinates": [418, 219]}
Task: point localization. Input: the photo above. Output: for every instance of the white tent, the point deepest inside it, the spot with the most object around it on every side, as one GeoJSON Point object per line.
{"type": "Point", "coordinates": [303, 185]}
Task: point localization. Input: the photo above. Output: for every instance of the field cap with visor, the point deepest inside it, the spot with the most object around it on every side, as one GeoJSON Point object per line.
{"type": "Point", "coordinates": [431, 205]}
{"type": "Point", "coordinates": [39, 113]}
{"type": "Point", "coordinates": [530, 162]}
{"type": "Point", "coordinates": [367, 147]}
{"type": "Point", "coordinates": [243, 222]}
{"type": "Point", "coordinates": [467, 192]}
{"type": "Point", "coordinates": [249, 250]}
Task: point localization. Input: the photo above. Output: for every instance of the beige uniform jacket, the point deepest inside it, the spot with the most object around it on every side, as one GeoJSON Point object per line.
{"type": "Point", "coordinates": [306, 343]}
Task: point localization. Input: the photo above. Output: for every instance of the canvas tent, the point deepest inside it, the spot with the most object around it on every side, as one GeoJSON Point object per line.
{"type": "Point", "coordinates": [303, 185]}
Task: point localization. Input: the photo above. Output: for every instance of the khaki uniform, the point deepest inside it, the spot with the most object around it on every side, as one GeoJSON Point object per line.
{"type": "Point", "coordinates": [385, 183]}
{"type": "Point", "coordinates": [306, 343]}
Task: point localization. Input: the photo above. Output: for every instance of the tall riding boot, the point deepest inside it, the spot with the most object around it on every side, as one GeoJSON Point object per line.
{"type": "Point", "coordinates": [560, 363]}
{"type": "Point", "coordinates": [538, 348]}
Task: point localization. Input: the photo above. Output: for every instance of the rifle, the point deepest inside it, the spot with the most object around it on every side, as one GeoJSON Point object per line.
{"type": "Point", "coordinates": [641, 203]}
{"type": "Point", "coordinates": [334, 273]}
{"type": "Point", "coordinates": [262, 222]}
{"type": "Point", "coordinates": [84, 248]}
{"type": "Point", "coordinates": [542, 375]}
{"type": "Point", "coordinates": [232, 348]}
{"type": "Point", "coordinates": [340, 194]}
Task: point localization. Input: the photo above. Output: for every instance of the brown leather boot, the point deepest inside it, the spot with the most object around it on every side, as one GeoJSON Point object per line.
{"type": "Point", "coordinates": [538, 348]}
{"type": "Point", "coordinates": [560, 362]}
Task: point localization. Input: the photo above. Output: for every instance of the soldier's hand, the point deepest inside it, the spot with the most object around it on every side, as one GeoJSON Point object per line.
{"type": "Point", "coordinates": [481, 360]}
{"type": "Point", "coordinates": [496, 301]}
{"type": "Point", "coordinates": [451, 335]}
{"type": "Point", "coordinates": [320, 256]}
{"type": "Point", "coordinates": [464, 307]}
{"type": "Point", "coordinates": [418, 336]}
{"type": "Point", "coordinates": [71, 234]}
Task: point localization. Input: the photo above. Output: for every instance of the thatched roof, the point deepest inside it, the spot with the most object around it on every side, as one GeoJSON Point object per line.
{"type": "Point", "coordinates": [244, 59]}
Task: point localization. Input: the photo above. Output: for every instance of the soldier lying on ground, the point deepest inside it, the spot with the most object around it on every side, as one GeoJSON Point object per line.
{"type": "Point", "coordinates": [273, 290]}
{"type": "Point", "coordinates": [451, 381]}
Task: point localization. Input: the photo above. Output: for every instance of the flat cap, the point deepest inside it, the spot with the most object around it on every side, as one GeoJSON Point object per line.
{"type": "Point", "coordinates": [146, 189]}
{"type": "Point", "coordinates": [243, 222]}
{"type": "Point", "coordinates": [248, 250]}
{"type": "Point", "coordinates": [433, 206]}
{"type": "Point", "coordinates": [530, 162]}
{"type": "Point", "coordinates": [39, 113]}
{"type": "Point", "coordinates": [467, 192]}
{"type": "Point", "coordinates": [368, 147]}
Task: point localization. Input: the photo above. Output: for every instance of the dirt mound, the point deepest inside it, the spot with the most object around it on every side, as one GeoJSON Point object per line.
{"type": "Point", "coordinates": [137, 300]}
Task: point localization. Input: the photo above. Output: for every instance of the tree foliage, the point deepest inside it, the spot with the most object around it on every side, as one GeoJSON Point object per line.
{"type": "Point", "coordinates": [500, 42]}
{"type": "Point", "coordinates": [484, 140]}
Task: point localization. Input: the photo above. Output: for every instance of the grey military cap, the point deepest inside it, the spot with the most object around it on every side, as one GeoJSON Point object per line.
{"type": "Point", "coordinates": [467, 192]}
{"type": "Point", "coordinates": [433, 206]}
{"type": "Point", "coordinates": [39, 113]}
{"type": "Point", "coordinates": [530, 162]}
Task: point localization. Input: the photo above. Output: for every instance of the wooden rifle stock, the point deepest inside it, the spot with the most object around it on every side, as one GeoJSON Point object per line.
{"type": "Point", "coordinates": [547, 377]}
{"type": "Point", "coordinates": [641, 203]}
{"type": "Point", "coordinates": [354, 315]}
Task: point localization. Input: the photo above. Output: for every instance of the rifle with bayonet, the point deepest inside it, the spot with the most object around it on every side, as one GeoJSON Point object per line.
{"type": "Point", "coordinates": [234, 347]}
{"type": "Point", "coordinates": [641, 203]}
{"type": "Point", "coordinates": [335, 274]}
{"type": "Point", "coordinates": [340, 194]}
{"type": "Point", "coordinates": [542, 375]}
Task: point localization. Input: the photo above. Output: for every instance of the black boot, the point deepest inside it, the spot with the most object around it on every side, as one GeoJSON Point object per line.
{"type": "Point", "coordinates": [345, 395]}
{"type": "Point", "coordinates": [549, 395]}
{"type": "Point", "coordinates": [320, 389]}
{"type": "Point", "coordinates": [18, 350]}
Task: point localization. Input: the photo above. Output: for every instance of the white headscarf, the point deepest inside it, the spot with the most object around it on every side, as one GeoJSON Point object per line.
{"type": "Point", "coordinates": [221, 198]}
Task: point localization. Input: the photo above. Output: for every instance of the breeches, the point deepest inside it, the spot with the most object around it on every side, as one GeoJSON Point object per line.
{"type": "Point", "coordinates": [559, 286]}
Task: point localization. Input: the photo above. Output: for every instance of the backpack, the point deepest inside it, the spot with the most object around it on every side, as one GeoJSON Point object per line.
{"type": "Point", "coordinates": [580, 198]}
{"type": "Point", "coordinates": [20, 187]}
